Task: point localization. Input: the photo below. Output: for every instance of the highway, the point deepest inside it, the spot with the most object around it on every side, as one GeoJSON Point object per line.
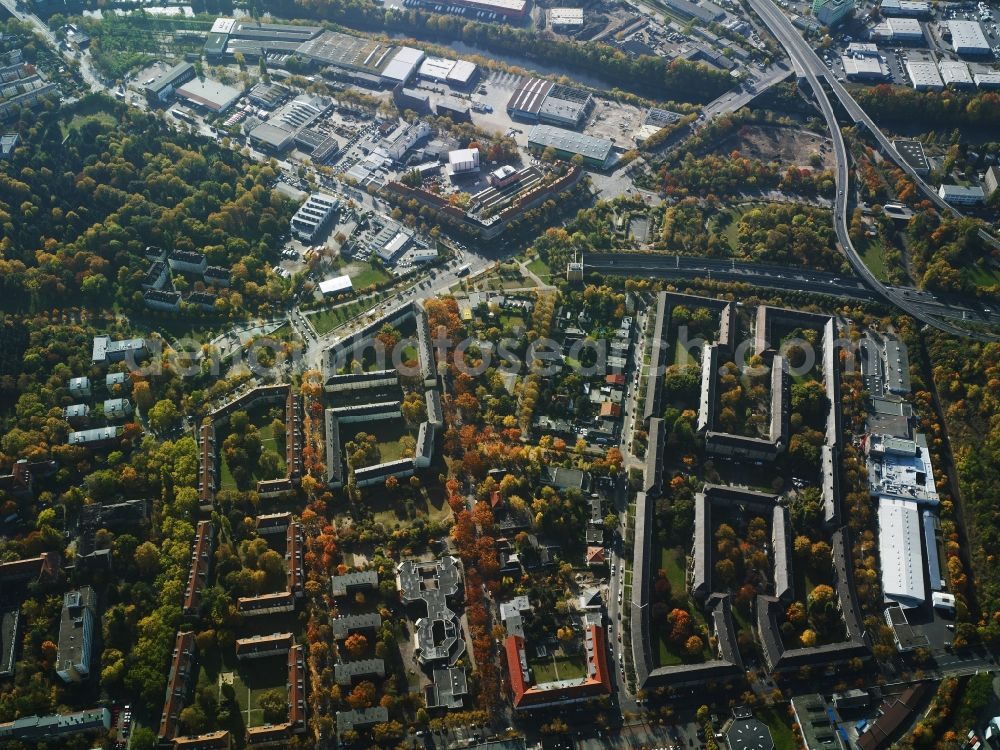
{"type": "Point", "coordinates": [738, 98]}
{"type": "Point", "coordinates": [812, 69]}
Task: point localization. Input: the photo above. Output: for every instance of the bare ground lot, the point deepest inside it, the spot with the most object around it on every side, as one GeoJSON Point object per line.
{"type": "Point", "coordinates": [784, 145]}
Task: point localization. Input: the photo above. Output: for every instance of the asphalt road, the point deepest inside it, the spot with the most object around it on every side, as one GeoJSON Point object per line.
{"type": "Point", "coordinates": [782, 277]}
{"type": "Point", "coordinates": [812, 69]}
{"type": "Point", "coordinates": [50, 38]}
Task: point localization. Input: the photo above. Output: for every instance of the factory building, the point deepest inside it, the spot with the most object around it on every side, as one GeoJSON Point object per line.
{"type": "Point", "coordinates": [924, 76]}
{"type": "Point", "coordinates": [596, 152]}
{"type": "Point", "coordinates": [208, 94]}
{"type": "Point", "coordinates": [955, 74]}
{"type": "Point", "coordinates": [313, 216]}
{"type": "Point", "coordinates": [905, 30]}
{"type": "Point", "coordinates": [968, 39]}
{"type": "Point", "coordinates": [905, 8]}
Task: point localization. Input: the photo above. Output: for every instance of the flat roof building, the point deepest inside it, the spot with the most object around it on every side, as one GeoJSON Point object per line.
{"type": "Point", "coordinates": [462, 74]}
{"type": "Point", "coordinates": [596, 152]}
{"type": "Point", "coordinates": [565, 18]}
{"type": "Point", "coordinates": [911, 8]}
{"type": "Point", "coordinates": [913, 154]}
{"type": "Point", "coordinates": [47, 728]}
{"type": "Point", "coordinates": [900, 30]}
{"type": "Point", "coordinates": [903, 567]}
{"type": "Point", "coordinates": [106, 350]}
{"type": "Point", "coordinates": [817, 728]}
{"type": "Point", "coordinates": [463, 161]}
{"type": "Point", "coordinates": [988, 81]}
{"type": "Point", "coordinates": [438, 636]}
{"type": "Point", "coordinates": [864, 68]}
{"type": "Point", "coordinates": [897, 367]}
{"type": "Point", "coordinates": [955, 73]}
{"type": "Point", "coordinates": [436, 69]}
{"type": "Point", "coordinates": [313, 216]}
{"type": "Point", "coordinates": [212, 95]}
{"type": "Point", "coordinates": [924, 76]}
{"type": "Point", "coordinates": [968, 39]}
{"type": "Point", "coordinates": [175, 76]}
{"type": "Point", "coordinates": [832, 12]}
{"type": "Point", "coordinates": [76, 634]}
{"type": "Point", "coordinates": [335, 285]}
{"type": "Point", "coordinates": [961, 195]}
{"type": "Point", "coordinates": [403, 65]}
{"type": "Point", "coordinates": [565, 106]}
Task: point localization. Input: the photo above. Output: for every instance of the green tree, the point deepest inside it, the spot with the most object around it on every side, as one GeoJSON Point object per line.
{"type": "Point", "coordinates": [163, 416]}
{"type": "Point", "coordinates": [274, 704]}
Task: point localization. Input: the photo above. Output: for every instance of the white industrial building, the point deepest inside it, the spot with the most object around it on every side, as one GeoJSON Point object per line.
{"type": "Point", "coordinates": [463, 161]}
{"type": "Point", "coordinates": [313, 216]}
{"type": "Point", "coordinates": [967, 38]}
{"type": "Point", "coordinates": [864, 67]}
{"type": "Point", "coordinates": [899, 533]}
{"type": "Point", "coordinates": [901, 468]}
{"type": "Point", "coordinates": [905, 8]}
{"type": "Point", "coordinates": [402, 66]}
{"type": "Point", "coordinates": [421, 254]}
{"type": "Point", "coordinates": [899, 30]}
{"type": "Point", "coordinates": [335, 285]}
{"type": "Point", "coordinates": [436, 69]}
{"type": "Point", "coordinates": [955, 73]}
{"type": "Point", "coordinates": [959, 195]}
{"type": "Point", "coordinates": [924, 76]}
{"type": "Point", "coordinates": [565, 18]}
{"type": "Point", "coordinates": [393, 247]}
{"type": "Point", "coordinates": [987, 80]}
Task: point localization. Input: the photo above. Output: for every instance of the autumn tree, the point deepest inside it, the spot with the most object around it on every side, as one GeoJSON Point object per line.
{"type": "Point", "coordinates": [356, 645]}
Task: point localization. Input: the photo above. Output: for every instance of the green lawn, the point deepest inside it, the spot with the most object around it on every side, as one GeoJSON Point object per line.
{"type": "Point", "coordinates": [873, 254]}
{"type": "Point", "coordinates": [781, 729]}
{"type": "Point", "coordinates": [682, 356]}
{"type": "Point", "coordinates": [253, 678]}
{"type": "Point", "coordinates": [672, 562]}
{"type": "Point", "coordinates": [327, 320]}
{"type": "Point", "coordinates": [540, 268]}
{"type": "Point", "coordinates": [268, 441]}
{"type": "Point", "coordinates": [982, 277]}
{"type": "Point", "coordinates": [367, 275]}
{"type": "Point", "coordinates": [561, 667]}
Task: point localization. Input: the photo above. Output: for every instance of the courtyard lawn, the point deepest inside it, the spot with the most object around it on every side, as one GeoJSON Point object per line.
{"type": "Point", "coordinates": [252, 679]}
{"type": "Point", "coordinates": [268, 440]}
{"type": "Point", "coordinates": [682, 356]}
{"type": "Point", "coordinates": [559, 667]}
{"type": "Point", "coordinates": [672, 562]}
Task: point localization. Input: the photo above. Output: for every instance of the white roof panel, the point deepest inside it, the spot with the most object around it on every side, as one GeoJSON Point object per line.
{"type": "Point", "coordinates": [901, 554]}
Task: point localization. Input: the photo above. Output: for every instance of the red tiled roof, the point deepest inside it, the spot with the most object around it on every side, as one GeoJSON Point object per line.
{"type": "Point", "coordinates": [177, 683]}
{"type": "Point", "coordinates": [609, 409]}
{"type": "Point", "coordinates": [526, 695]}
{"type": "Point", "coordinates": [615, 379]}
{"type": "Point", "coordinates": [595, 554]}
